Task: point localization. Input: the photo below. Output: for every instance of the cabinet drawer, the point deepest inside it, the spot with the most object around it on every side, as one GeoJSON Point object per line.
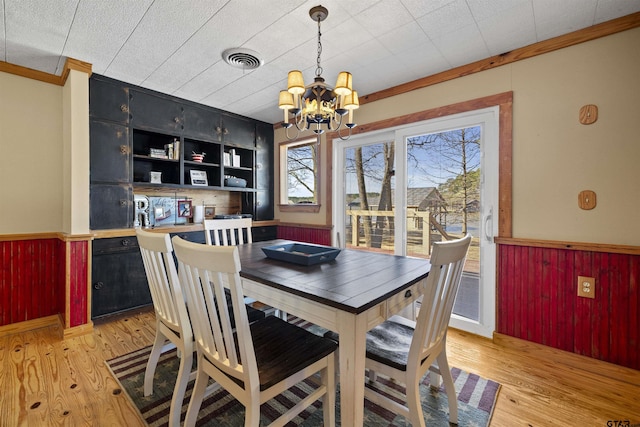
{"type": "Point", "coordinates": [116, 244]}
{"type": "Point", "coordinates": [191, 236]}
{"type": "Point", "coordinates": [404, 298]}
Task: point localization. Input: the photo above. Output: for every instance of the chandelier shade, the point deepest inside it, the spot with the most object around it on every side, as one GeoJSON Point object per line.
{"type": "Point", "coordinates": [318, 106]}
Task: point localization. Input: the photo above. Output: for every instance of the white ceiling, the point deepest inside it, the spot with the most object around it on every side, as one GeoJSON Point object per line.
{"type": "Point", "coordinates": [175, 46]}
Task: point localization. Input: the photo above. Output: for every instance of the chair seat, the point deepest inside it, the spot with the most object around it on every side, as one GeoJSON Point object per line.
{"type": "Point", "coordinates": [389, 342]}
{"type": "Point", "coordinates": [296, 349]}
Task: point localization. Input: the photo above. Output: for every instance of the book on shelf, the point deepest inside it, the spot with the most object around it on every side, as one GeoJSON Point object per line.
{"type": "Point", "coordinates": [158, 153]}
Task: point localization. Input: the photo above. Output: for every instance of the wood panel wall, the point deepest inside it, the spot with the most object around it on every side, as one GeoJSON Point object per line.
{"type": "Point", "coordinates": [30, 280]}
{"type": "Point", "coordinates": [78, 273]}
{"type": "Point", "coordinates": [537, 301]}
{"type": "Point", "coordinates": [309, 234]}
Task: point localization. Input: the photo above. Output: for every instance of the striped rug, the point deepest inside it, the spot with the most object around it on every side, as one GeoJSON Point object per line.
{"type": "Point", "coordinates": [476, 397]}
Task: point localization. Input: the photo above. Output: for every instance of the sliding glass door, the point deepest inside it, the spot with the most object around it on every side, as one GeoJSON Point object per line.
{"type": "Point", "coordinates": [400, 190]}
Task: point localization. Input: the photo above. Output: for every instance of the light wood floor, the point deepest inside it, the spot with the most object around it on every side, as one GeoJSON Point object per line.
{"type": "Point", "coordinates": [45, 381]}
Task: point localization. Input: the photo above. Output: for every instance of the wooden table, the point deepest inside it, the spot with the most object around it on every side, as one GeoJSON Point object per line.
{"type": "Point", "coordinates": [350, 295]}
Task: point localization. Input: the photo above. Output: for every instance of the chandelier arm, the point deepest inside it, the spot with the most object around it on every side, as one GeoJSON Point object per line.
{"type": "Point", "coordinates": [340, 134]}
{"type": "Point", "coordinates": [298, 120]}
{"type": "Point", "coordinates": [286, 133]}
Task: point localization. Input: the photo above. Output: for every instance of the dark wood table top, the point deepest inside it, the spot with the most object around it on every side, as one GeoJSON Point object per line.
{"type": "Point", "coordinates": [354, 282]}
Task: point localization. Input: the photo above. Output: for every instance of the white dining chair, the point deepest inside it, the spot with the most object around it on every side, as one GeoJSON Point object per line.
{"type": "Point", "coordinates": [406, 350]}
{"type": "Point", "coordinates": [254, 362]}
{"type": "Point", "coordinates": [225, 232]}
{"type": "Point", "coordinates": [173, 327]}
{"type": "Point", "coordinates": [237, 231]}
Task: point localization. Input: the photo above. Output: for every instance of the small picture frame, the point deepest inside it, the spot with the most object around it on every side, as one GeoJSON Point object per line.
{"type": "Point", "coordinates": [199, 178]}
{"type": "Point", "coordinates": [209, 212]}
{"type": "Point", "coordinates": [185, 209]}
{"type": "Point", "coordinates": [155, 177]}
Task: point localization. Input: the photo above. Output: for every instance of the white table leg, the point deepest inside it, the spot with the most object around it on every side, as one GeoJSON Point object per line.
{"type": "Point", "coordinates": [352, 330]}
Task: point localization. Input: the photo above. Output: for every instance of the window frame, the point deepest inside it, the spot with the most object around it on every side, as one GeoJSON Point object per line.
{"type": "Point", "coordinates": [284, 172]}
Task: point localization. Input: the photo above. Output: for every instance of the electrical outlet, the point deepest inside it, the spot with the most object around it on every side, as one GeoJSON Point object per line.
{"type": "Point", "coordinates": [586, 287]}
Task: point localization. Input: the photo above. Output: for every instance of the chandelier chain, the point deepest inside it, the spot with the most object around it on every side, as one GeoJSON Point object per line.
{"type": "Point", "coordinates": [319, 68]}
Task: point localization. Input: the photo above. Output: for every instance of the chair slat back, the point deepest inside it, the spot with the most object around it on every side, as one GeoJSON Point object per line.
{"type": "Point", "coordinates": [447, 263]}
{"type": "Point", "coordinates": [160, 268]}
{"type": "Point", "coordinates": [205, 272]}
{"type": "Point", "coordinates": [225, 232]}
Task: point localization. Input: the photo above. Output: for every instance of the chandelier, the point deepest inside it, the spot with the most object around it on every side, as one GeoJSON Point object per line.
{"type": "Point", "coordinates": [316, 105]}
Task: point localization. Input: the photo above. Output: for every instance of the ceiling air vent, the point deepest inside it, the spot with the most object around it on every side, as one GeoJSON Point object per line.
{"type": "Point", "coordinates": [242, 58]}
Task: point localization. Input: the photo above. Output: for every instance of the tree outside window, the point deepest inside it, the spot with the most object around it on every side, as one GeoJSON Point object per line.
{"type": "Point", "coordinates": [301, 178]}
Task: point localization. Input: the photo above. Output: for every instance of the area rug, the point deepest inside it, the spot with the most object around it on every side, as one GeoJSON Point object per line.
{"type": "Point", "coordinates": [476, 397]}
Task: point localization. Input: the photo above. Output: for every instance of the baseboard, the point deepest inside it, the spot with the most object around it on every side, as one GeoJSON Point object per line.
{"type": "Point", "coordinates": [77, 331]}
{"type": "Point", "coordinates": [28, 325]}
{"type": "Point", "coordinates": [578, 361]}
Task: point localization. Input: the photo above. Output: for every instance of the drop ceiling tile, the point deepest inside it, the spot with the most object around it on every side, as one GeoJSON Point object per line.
{"type": "Point", "coordinates": [164, 29]}
{"type": "Point", "coordinates": [230, 27]}
{"type": "Point", "coordinates": [100, 28]}
{"type": "Point", "coordinates": [510, 29]}
{"type": "Point", "coordinates": [487, 9]}
{"type": "Point", "coordinates": [345, 37]}
{"type": "Point", "coordinates": [419, 8]}
{"type": "Point", "coordinates": [607, 10]}
{"type": "Point", "coordinates": [396, 41]}
{"type": "Point", "coordinates": [555, 18]}
{"type": "Point", "coordinates": [3, 39]}
{"type": "Point", "coordinates": [423, 60]}
{"type": "Point", "coordinates": [36, 32]}
{"type": "Point", "coordinates": [463, 46]}
{"type": "Point", "coordinates": [281, 36]}
{"type": "Point", "coordinates": [383, 17]}
{"type": "Point", "coordinates": [354, 8]}
{"type": "Point", "coordinates": [234, 91]}
{"type": "Point", "coordinates": [207, 82]}
{"type": "Point", "coordinates": [447, 19]}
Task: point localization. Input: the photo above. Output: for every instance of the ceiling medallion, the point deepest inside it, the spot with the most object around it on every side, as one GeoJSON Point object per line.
{"type": "Point", "coordinates": [317, 105]}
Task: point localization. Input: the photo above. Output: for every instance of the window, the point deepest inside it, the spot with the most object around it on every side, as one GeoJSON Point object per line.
{"type": "Point", "coordinates": [299, 176]}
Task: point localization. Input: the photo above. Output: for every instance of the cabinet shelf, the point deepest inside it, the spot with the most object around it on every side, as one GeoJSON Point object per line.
{"type": "Point", "coordinates": [239, 168]}
{"type": "Point", "coordinates": [202, 164]}
{"type": "Point", "coordinates": [154, 159]}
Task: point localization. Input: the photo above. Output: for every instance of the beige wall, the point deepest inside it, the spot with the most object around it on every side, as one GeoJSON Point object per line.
{"type": "Point", "coordinates": [75, 159]}
{"type": "Point", "coordinates": [31, 188]}
{"type": "Point", "coordinates": [554, 156]}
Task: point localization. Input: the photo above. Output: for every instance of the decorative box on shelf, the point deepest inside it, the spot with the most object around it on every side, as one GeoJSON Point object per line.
{"type": "Point", "coordinates": [232, 181]}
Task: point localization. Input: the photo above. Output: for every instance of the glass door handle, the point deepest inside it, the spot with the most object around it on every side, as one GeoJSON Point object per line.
{"type": "Point", "coordinates": [488, 226]}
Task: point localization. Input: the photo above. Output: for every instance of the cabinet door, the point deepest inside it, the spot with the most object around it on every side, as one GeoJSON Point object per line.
{"type": "Point", "coordinates": [155, 112]}
{"type": "Point", "coordinates": [108, 101]}
{"type": "Point", "coordinates": [110, 155]}
{"type": "Point", "coordinates": [260, 234]}
{"type": "Point", "coordinates": [118, 279]}
{"type": "Point", "coordinates": [264, 156]}
{"type": "Point", "coordinates": [263, 205]}
{"type": "Point", "coordinates": [238, 131]}
{"type": "Point", "coordinates": [111, 206]}
{"type": "Point", "coordinates": [201, 123]}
